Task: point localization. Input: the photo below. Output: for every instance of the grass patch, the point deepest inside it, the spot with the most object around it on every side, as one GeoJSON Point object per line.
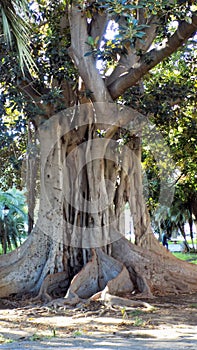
{"type": "Point", "coordinates": [191, 257]}
{"type": "Point", "coordinates": [4, 340]}
{"type": "Point", "coordinates": [136, 313]}
{"type": "Point", "coordinates": [37, 337]}
{"type": "Point", "coordinates": [77, 333]}
{"type": "Point", "coordinates": [139, 322]}
{"type": "Point", "coordinates": [193, 306]}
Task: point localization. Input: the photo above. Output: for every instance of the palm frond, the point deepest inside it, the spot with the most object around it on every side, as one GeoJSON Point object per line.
{"type": "Point", "coordinates": [6, 27]}
{"type": "Point", "coordinates": [14, 20]}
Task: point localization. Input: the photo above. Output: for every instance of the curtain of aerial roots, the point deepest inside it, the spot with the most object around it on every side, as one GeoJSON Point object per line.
{"type": "Point", "coordinates": [31, 174]}
{"type": "Point", "coordinates": [86, 181]}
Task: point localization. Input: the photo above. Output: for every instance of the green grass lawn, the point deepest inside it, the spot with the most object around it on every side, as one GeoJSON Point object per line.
{"type": "Point", "coordinates": [179, 241]}
{"type": "Point", "coordinates": [191, 257]}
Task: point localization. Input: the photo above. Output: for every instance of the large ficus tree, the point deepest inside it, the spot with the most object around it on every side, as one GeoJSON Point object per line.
{"type": "Point", "coordinates": [89, 142]}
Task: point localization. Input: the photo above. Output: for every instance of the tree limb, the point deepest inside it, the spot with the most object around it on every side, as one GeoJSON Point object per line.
{"type": "Point", "coordinates": [127, 61]}
{"type": "Point", "coordinates": [98, 26]}
{"type": "Point", "coordinates": [33, 95]}
{"type": "Point", "coordinates": [85, 64]}
{"type": "Point", "coordinates": [153, 57]}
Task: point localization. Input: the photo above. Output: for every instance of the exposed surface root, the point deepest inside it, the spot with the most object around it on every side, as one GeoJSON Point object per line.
{"type": "Point", "coordinates": [106, 299]}
{"type": "Point", "coordinates": [53, 283]}
{"type": "Point", "coordinates": [102, 271]}
{"type": "Point", "coordinates": [111, 300]}
{"type": "Point", "coordinates": [98, 273]}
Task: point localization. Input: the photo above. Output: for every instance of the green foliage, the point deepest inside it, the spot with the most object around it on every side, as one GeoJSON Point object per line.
{"type": "Point", "coordinates": [50, 42]}
{"type": "Point", "coordinates": [77, 333]}
{"type": "Point", "coordinates": [125, 8]}
{"type": "Point", "coordinates": [172, 218]}
{"type": "Point", "coordinates": [125, 14]}
{"type": "Point", "coordinates": [12, 227]}
{"type": "Point", "coordinates": [170, 98]}
{"type": "Point", "coordinates": [13, 140]}
{"type": "Point", "coordinates": [16, 28]}
{"type": "Point", "coordinates": [139, 322]}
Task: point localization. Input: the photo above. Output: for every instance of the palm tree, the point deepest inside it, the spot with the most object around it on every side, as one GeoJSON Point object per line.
{"type": "Point", "coordinates": [12, 226]}
{"type": "Point", "coordinates": [174, 218]}
{"type": "Point", "coordinates": [15, 27]}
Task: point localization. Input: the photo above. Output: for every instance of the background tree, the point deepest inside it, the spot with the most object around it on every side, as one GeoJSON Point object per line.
{"type": "Point", "coordinates": [13, 140]}
{"type": "Point", "coordinates": [175, 116]}
{"type": "Point", "coordinates": [12, 226]}
{"type": "Point", "coordinates": [88, 171]}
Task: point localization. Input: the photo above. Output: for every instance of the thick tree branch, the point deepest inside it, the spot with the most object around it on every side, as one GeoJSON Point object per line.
{"type": "Point", "coordinates": [34, 96]}
{"type": "Point", "coordinates": [86, 64]}
{"type": "Point", "coordinates": [127, 61]}
{"type": "Point", "coordinates": [153, 57]}
{"type": "Point", "coordinates": [98, 26]}
{"type": "Point", "coordinates": [28, 89]}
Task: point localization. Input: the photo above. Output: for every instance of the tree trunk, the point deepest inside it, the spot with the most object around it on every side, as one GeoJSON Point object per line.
{"type": "Point", "coordinates": [86, 180]}
{"type": "Point", "coordinates": [31, 175]}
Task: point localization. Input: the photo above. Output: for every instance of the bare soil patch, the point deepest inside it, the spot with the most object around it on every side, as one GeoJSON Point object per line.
{"type": "Point", "coordinates": [174, 317]}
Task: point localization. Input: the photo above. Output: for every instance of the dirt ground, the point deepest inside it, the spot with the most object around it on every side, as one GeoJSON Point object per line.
{"type": "Point", "coordinates": [170, 324]}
